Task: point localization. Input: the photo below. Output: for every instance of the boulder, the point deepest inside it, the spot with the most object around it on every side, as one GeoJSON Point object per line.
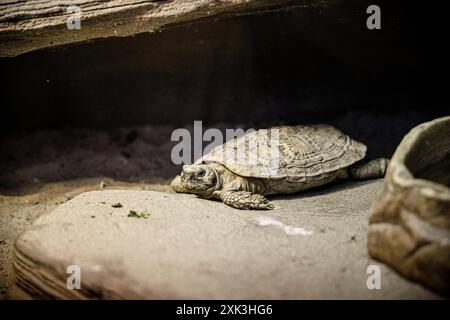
{"type": "Point", "coordinates": [410, 221]}
{"type": "Point", "coordinates": [130, 244]}
{"type": "Point", "coordinates": [31, 25]}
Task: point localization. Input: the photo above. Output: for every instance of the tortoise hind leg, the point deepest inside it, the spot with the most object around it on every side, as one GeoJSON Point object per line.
{"type": "Point", "coordinates": [369, 170]}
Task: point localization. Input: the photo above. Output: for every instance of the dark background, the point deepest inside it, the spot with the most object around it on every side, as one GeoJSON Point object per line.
{"type": "Point", "coordinates": [302, 66]}
{"type": "Point", "coordinates": [305, 65]}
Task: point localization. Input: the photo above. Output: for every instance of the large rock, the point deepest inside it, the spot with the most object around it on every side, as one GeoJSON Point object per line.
{"type": "Point", "coordinates": [311, 246]}
{"type": "Point", "coordinates": [34, 24]}
{"type": "Point", "coordinates": [410, 222]}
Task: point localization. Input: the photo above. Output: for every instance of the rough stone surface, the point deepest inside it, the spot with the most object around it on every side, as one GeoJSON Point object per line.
{"type": "Point", "coordinates": [312, 245]}
{"type": "Point", "coordinates": [36, 24]}
{"type": "Point", "coordinates": [410, 222]}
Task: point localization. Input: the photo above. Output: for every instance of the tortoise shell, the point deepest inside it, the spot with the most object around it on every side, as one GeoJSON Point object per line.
{"type": "Point", "coordinates": [287, 152]}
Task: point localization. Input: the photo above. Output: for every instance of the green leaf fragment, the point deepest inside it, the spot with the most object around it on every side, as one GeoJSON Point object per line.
{"type": "Point", "coordinates": [138, 215]}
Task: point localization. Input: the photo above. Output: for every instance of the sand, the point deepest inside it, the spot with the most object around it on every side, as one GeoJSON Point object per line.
{"type": "Point", "coordinates": [311, 246]}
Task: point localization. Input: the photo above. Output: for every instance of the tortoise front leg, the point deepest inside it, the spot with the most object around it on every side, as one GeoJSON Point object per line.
{"type": "Point", "coordinates": [245, 200]}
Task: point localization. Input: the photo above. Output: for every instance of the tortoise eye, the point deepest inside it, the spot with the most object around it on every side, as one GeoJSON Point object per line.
{"type": "Point", "coordinates": [201, 173]}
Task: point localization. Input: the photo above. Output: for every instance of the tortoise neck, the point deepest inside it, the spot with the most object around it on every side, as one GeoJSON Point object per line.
{"type": "Point", "coordinates": [230, 181]}
{"type": "Point", "coordinates": [224, 175]}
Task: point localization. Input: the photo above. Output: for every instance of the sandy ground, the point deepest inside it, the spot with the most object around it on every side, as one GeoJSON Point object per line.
{"type": "Point", "coordinates": [311, 246]}
{"type": "Point", "coordinates": [18, 212]}
{"type": "Point", "coordinates": [43, 169]}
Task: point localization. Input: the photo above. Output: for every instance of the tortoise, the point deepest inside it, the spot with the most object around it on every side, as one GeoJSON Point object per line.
{"type": "Point", "coordinates": [289, 159]}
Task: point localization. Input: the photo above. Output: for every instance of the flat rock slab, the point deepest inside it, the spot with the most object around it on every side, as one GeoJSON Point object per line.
{"type": "Point", "coordinates": [30, 25]}
{"type": "Point", "coordinates": [312, 245]}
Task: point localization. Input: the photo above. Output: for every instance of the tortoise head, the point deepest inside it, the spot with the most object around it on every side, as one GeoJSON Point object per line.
{"type": "Point", "coordinates": [200, 179]}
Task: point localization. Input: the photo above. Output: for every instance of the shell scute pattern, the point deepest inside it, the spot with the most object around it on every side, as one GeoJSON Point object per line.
{"type": "Point", "coordinates": [300, 152]}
